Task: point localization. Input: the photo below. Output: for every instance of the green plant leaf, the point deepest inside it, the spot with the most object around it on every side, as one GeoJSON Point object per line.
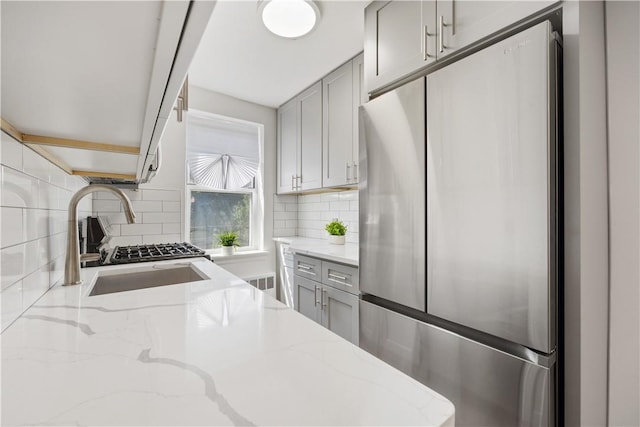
{"type": "Point", "coordinates": [336, 228]}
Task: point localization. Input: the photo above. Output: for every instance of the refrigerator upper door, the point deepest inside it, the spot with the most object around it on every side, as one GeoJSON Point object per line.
{"type": "Point", "coordinates": [491, 190]}
{"type": "Point", "coordinates": [392, 196]}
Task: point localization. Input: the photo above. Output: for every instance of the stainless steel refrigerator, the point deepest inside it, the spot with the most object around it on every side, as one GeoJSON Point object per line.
{"type": "Point", "coordinates": [459, 226]}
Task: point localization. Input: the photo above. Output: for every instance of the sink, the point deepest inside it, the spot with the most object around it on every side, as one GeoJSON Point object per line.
{"type": "Point", "coordinates": [145, 277]}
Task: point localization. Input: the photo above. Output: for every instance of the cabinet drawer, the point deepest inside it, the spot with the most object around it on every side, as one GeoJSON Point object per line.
{"type": "Point", "coordinates": [340, 276]}
{"type": "Point", "coordinates": [305, 266]}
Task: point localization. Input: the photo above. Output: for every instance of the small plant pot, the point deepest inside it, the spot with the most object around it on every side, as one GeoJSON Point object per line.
{"type": "Point", "coordinates": [336, 240]}
{"type": "Point", "coordinates": [228, 250]}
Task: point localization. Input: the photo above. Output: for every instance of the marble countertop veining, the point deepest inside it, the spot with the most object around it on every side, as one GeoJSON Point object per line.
{"type": "Point", "coordinates": [345, 254]}
{"type": "Point", "coordinates": [212, 352]}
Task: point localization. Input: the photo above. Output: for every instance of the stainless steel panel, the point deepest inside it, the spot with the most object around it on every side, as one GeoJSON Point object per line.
{"type": "Point", "coordinates": [392, 196]}
{"type": "Point", "coordinates": [487, 387]}
{"type": "Point", "coordinates": [490, 191]}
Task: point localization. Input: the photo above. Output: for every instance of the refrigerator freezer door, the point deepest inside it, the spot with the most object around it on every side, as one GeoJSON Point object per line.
{"type": "Point", "coordinates": [487, 387]}
{"type": "Point", "coordinates": [491, 190]}
{"type": "Point", "coordinates": [392, 196]}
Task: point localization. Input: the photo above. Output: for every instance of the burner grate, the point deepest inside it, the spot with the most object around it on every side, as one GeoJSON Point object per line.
{"type": "Point", "coordinates": [156, 252]}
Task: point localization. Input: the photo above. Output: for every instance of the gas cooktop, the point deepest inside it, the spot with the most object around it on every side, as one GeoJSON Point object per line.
{"type": "Point", "coordinates": [155, 252]}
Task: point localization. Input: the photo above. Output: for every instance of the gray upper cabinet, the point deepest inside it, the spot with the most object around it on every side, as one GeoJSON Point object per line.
{"type": "Point", "coordinates": [300, 142]}
{"type": "Point", "coordinates": [400, 37]}
{"type": "Point", "coordinates": [343, 92]}
{"type": "Point", "coordinates": [287, 147]}
{"type": "Point", "coordinates": [318, 132]}
{"type": "Point", "coordinates": [337, 140]}
{"type": "Point", "coordinates": [310, 120]}
{"type": "Point", "coordinates": [465, 22]}
{"type": "Point", "coordinates": [360, 96]}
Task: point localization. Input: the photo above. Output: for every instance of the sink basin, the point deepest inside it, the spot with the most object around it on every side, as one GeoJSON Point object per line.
{"type": "Point", "coordinates": [146, 277]}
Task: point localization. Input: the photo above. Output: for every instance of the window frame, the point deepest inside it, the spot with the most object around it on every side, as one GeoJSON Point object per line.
{"type": "Point", "coordinates": [257, 214]}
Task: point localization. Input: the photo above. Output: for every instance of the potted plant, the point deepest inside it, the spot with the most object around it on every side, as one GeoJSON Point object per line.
{"type": "Point", "coordinates": [336, 230]}
{"type": "Point", "coordinates": [228, 240]}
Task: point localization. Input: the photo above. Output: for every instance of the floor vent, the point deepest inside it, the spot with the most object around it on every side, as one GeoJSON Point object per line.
{"type": "Point", "coordinates": [266, 282]}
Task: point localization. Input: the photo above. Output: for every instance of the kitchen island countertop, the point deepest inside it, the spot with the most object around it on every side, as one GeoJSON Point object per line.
{"type": "Point", "coordinates": [212, 352]}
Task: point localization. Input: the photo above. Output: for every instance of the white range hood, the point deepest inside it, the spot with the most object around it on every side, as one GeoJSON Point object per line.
{"type": "Point", "coordinates": [91, 85]}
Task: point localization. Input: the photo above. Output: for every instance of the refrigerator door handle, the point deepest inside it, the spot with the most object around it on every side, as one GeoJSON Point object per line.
{"type": "Point", "coordinates": [441, 34]}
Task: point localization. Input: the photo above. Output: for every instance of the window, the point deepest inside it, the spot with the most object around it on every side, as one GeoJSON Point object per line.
{"type": "Point", "coordinates": [224, 180]}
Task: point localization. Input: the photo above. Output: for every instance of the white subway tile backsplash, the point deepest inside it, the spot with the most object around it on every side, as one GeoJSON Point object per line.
{"type": "Point", "coordinates": [18, 189]}
{"type": "Point", "coordinates": [131, 194]}
{"type": "Point", "coordinates": [12, 226]}
{"type": "Point", "coordinates": [18, 261]}
{"type": "Point", "coordinates": [56, 270]}
{"type": "Point", "coordinates": [163, 238]}
{"type": "Point", "coordinates": [164, 195]}
{"type": "Point", "coordinates": [35, 197]}
{"type": "Point", "coordinates": [171, 228]}
{"type": "Point", "coordinates": [284, 215]}
{"type": "Point", "coordinates": [158, 214]}
{"type": "Point", "coordinates": [11, 303]}
{"type": "Point", "coordinates": [313, 215]}
{"type": "Point", "coordinates": [140, 229]}
{"type": "Point", "coordinates": [145, 206]}
{"type": "Point", "coordinates": [339, 206]}
{"type": "Point", "coordinates": [126, 240]}
{"type": "Point", "coordinates": [37, 223]}
{"type": "Point", "coordinates": [11, 152]}
{"type": "Point", "coordinates": [34, 286]}
{"type": "Point", "coordinates": [107, 206]}
{"type": "Point", "coordinates": [36, 165]}
{"type": "Point", "coordinates": [160, 217]}
{"type": "Point", "coordinates": [171, 206]}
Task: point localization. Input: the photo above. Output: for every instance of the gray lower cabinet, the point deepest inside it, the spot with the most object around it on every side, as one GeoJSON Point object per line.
{"type": "Point", "coordinates": [335, 309]}
{"type": "Point", "coordinates": [340, 313]}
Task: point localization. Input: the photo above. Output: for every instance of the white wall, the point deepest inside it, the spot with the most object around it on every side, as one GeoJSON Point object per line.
{"type": "Point", "coordinates": [33, 213]}
{"type": "Point", "coordinates": [586, 215]}
{"type": "Point", "coordinates": [623, 90]}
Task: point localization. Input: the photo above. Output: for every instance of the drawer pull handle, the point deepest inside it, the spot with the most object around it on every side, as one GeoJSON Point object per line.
{"type": "Point", "coordinates": [305, 267]}
{"type": "Point", "coordinates": [335, 276]}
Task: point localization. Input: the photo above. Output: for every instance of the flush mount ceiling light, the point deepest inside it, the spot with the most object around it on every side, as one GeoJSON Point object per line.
{"type": "Point", "coordinates": [289, 18]}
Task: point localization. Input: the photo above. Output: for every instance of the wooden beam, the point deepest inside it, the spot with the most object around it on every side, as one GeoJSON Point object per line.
{"type": "Point", "coordinates": [83, 145]}
{"type": "Point", "coordinates": [10, 130]}
{"type": "Point", "coordinates": [51, 157]}
{"type": "Point", "coordinates": [94, 174]}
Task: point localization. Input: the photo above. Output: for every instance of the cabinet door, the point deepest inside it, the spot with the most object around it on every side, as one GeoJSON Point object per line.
{"type": "Point", "coordinates": [306, 295]}
{"type": "Point", "coordinates": [287, 147]}
{"type": "Point", "coordinates": [360, 96]}
{"type": "Point", "coordinates": [340, 313]}
{"type": "Point", "coordinates": [337, 138]}
{"type": "Point", "coordinates": [466, 21]}
{"type": "Point", "coordinates": [399, 39]}
{"type": "Point", "coordinates": [310, 123]}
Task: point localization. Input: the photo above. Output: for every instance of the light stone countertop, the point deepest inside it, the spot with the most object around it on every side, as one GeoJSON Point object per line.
{"type": "Point", "coordinates": [212, 352]}
{"type": "Point", "coordinates": [321, 248]}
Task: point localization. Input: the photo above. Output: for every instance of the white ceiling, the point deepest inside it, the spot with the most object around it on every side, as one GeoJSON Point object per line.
{"type": "Point", "coordinates": [239, 57]}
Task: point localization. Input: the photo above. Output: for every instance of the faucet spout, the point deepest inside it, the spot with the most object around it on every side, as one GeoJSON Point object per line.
{"type": "Point", "coordinates": [72, 261]}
